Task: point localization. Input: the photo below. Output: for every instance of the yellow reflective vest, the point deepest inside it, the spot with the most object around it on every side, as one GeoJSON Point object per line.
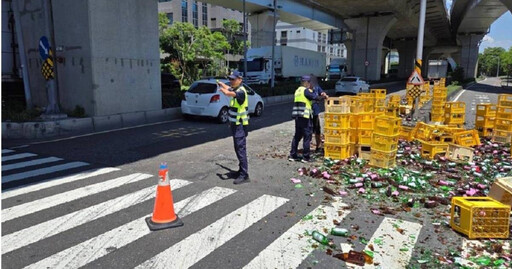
{"type": "Point", "coordinates": [302, 105]}
{"type": "Point", "coordinates": [239, 112]}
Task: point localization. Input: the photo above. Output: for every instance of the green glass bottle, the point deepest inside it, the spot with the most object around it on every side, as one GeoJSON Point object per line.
{"type": "Point", "coordinates": [320, 238]}
{"type": "Point", "coordinates": [339, 232]}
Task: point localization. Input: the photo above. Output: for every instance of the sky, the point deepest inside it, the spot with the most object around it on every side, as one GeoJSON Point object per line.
{"type": "Point", "coordinates": [500, 34]}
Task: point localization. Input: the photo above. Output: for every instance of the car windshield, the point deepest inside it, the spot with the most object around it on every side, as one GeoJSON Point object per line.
{"type": "Point", "coordinates": [203, 88]}
{"type": "Point", "coordinates": [349, 79]}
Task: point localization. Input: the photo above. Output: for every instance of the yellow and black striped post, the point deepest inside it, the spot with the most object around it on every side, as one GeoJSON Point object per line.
{"type": "Point", "coordinates": [417, 66]}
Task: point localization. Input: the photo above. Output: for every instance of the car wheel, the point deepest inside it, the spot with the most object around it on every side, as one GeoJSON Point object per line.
{"type": "Point", "coordinates": [258, 110]}
{"type": "Point", "coordinates": [223, 116]}
{"type": "Point", "coordinates": [187, 116]}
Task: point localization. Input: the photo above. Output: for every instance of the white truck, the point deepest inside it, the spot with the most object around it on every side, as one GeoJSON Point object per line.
{"type": "Point", "coordinates": [437, 69]}
{"type": "Point", "coordinates": [289, 63]}
{"type": "Point", "coordinates": [337, 68]}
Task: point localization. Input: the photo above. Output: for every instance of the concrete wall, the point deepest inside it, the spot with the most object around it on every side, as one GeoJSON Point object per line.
{"type": "Point", "coordinates": [109, 51]}
{"type": "Point", "coordinates": [125, 56]}
{"type": "Point", "coordinates": [7, 57]}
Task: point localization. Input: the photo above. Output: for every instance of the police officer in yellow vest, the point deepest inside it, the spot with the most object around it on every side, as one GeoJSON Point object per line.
{"type": "Point", "coordinates": [239, 120]}
{"type": "Point", "coordinates": [303, 115]}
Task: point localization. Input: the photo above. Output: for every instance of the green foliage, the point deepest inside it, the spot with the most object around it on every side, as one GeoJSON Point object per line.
{"type": "Point", "coordinates": [190, 52]}
{"type": "Point", "coordinates": [14, 110]}
{"type": "Point", "coordinates": [488, 61]}
{"type": "Point", "coordinates": [506, 62]}
{"type": "Point", "coordinates": [78, 112]}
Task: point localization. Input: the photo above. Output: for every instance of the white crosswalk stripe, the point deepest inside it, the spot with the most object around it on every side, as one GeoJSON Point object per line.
{"type": "Point", "coordinates": [223, 230]}
{"type": "Point", "coordinates": [30, 163]}
{"type": "Point", "coordinates": [7, 151]}
{"type": "Point", "coordinates": [17, 156]}
{"type": "Point", "coordinates": [94, 248]}
{"type": "Point", "coordinates": [38, 205]}
{"type": "Point", "coordinates": [46, 229]}
{"type": "Point", "coordinates": [290, 249]}
{"type": "Point", "coordinates": [57, 181]}
{"type": "Point", "coordinates": [42, 171]}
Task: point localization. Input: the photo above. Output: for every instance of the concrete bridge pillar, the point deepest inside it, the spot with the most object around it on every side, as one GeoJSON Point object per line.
{"type": "Point", "coordinates": [469, 53]}
{"type": "Point", "coordinates": [262, 26]}
{"type": "Point", "coordinates": [369, 33]}
{"type": "Point", "coordinates": [406, 56]}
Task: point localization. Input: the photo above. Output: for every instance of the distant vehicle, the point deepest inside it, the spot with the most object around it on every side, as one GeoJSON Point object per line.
{"type": "Point", "coordinates": [171, 90]}
{"type": "Point", "coordinates": [337, 68]}
{"type": "Point", "coordinates": [289, 62]}
{"type": "Point", "coordinates": [437, 69]}
{"type": "Point", "coordinates": [203, 98]}
{"type": "Point", "coordinates": [351, 85]}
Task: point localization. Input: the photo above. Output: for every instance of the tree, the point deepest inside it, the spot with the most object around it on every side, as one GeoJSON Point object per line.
{"type": "Point", "coordinates": [488, 60]}
{"type": "Point", "coordinates": [506, 62]}
{"type": "Point", "coordinates": [189, 52]}
{"type": "Point", "coordinates": [235, 37]}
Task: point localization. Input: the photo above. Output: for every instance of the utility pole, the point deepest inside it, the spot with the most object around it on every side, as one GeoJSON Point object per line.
{"type": "Point", "coordinates": [52, 87]}
{"type": "Point", "coordinates": [421, 30]}
{"type": "Point", "coordinates": [272, 76]}
{"type": "Point", "coordinates": [366, 50]}
{"type": "Point", "coordinates": [245, 44]}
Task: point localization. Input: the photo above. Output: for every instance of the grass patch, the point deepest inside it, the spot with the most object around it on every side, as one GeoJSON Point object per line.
{"type": "Point", "coordinates": [453, 88]}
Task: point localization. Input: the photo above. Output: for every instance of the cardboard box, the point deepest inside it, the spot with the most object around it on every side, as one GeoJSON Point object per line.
{"type": "Point", "coordinates": [501, 190]}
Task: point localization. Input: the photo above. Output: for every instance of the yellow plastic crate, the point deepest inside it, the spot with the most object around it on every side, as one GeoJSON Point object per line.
{"type": "Point", "coordinates": [454, 118]}
{"type": "Point", "coordinates": [441, 92]}
{"type": "Point", "coordinates": [353, 137]}
{"type": "Point", "coordinates": [423, 131]}
{"type": "Point", "coordinates": [487, 110]}
{"type": "Point", "coordinates": [503, 125]}
{"type": "Point", "coordinates": [384, 142]}
{"type": "Point", "coordinates": [386, 125]}
{"type": "Point", "coordinates": [337, 152]}
{"type": "Point", "coordinates": [437, 117]}
{"type": "Point", "coordinates": [380, 103]}
{"type": "Point", "coordinates": [505, 100]}
{"type": "Point", "coordinates": [380, 109]}
{"type": "Point", "coordinates": [364, 152]}
{"type": "Point", "coordinates": [430, 149]}
{"type": "Point", "coordinates": [459, 153]}
{"type": "Point", "coordinates": [484, 132]}
{"type": "Point", "coordinates": [367, 120]}
{"type": "Point", "coordinates": [336, 136]}
{"type": "Point", "coordinates": [394, 100]}
{"type": "Point", "coordinates": [364, 137]}
{"type": "Point", "coordinates": [337, 120]}
{"type": "Point", "coordinates": [467, 138]}
{"type": "Point", "coordinates": [354, 120]}
{"type": "Point", "coordinates": [483, 121]}
{"type": "Point", "coordinates": [379, 93]}
{"type": "Point", "coordinates": [356, 104]}
{"type": "Point", "coordinates": [480, 217]}
{"type": "Point", "coordinates": [392, 111]}
{"type": "Point", "coordinates": [501, 136]}
{"type": "Point", "coordinates": [337, 105]}
{"type": "Point", "coordinates": [383, 159]}
{"type": "Point", "coordinates": [504, 112]}
{"type": "Point", "coordinates": [455, 107]}
{"type": "Point", "coordinates": [438, 107]}
{"type": "Point", "coordinates": [406, 133]}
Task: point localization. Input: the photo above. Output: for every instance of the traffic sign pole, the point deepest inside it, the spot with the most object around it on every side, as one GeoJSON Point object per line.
{"type": "Point", "coordinates": [51, 84]}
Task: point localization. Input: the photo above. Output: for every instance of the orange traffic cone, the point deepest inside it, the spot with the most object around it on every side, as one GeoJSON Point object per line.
{"type": "Point", "coordinates": [163, 212]}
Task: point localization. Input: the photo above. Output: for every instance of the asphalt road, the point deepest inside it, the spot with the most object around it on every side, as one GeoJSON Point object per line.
{"type": "Point", "coordinates": [256, 225]}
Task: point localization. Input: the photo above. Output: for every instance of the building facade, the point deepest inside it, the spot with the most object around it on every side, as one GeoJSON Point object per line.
{"type": "Point", "coordinates": [304, 38]}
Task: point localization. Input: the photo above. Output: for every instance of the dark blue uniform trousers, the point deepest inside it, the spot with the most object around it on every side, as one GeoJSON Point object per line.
{"type": "Point", "coordinates": [303, 130]}
{"type": "Point", "coordinates": [239, 133]}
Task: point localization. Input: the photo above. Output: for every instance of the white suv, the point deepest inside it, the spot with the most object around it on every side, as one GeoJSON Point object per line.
{"type": "Point", "coordinates": [203, 98]}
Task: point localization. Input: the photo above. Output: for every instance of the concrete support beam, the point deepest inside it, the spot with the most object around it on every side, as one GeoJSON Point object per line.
{"type": "Point", "coordinates": [369, 33]}
{"type": "Point", "coordinates": [469, 53]}
{"type": "Point", "coordinates": [406, 56]}
{"type": "Point", "coordinates": [262, 26]}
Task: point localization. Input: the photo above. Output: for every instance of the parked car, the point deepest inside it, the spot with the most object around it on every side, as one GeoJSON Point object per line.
{"type": "Point", "coordinates": [203, 98]}
{"type": "Point", "coordinates": [351, 85]}
{"type": "Point", "coordinates": [171, 90]}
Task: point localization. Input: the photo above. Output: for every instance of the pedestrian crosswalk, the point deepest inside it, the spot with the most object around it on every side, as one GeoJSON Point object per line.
{"type": "Point", "coordinates": [27, 227]}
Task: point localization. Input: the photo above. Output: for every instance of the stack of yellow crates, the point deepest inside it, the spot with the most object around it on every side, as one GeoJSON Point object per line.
{"type": "Point", "coordinates": [502, 131]}
{"type": "Point", "coordinates": [437, 111]}
{"type": "Point", "coordinates": [393, 105]}
{"type": "Point", "coordinates": [384, 143]}
{"type": "Point", "coordinates": [454, 114]}
{"type": "Point", "coordinates": [337, 128]}
{"type": "Point", "coordinates": [379, 96]}
{"type": "Point", "coordinates": [485, 118]}
{"type": "Point", "coordinates": [425, 95]}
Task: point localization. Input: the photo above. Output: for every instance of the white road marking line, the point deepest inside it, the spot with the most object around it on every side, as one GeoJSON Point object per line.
{"type": "Point", "coordinates": [458, 96]}
{"type": "Point", "coordinates": [17, 156]}
{"type": "Point", "coordinates": [42, 171]}
{"type": "Point", "coordinates": [7, 151]}
{"type": "Point", "coordinates": [57, 181]}
{"type": "Point", "coordinates": [61, 198]}
{"type": "Point", "coordinates": [95, 248]}
{"type": "Point", "coordinates": [215, 235]}
{"type": "Point", "coordinates": [389, 252]}
{"type": "Point", "coordinates": [290, 249]}
{"type": "Point", "coordinates": [52, 227]}
{"type": "Point", "coordinates": [29, 163]}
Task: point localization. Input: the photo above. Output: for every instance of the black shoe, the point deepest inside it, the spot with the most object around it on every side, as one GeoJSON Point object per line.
{"type": "Point", "coordinates": [293, 159]}
{"type": "Point", "coordinates": [241, 180]}
{"type": "Point", "coordinates": [306, 160]}
{"type": "Point", "coordinates": [232, 174]}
